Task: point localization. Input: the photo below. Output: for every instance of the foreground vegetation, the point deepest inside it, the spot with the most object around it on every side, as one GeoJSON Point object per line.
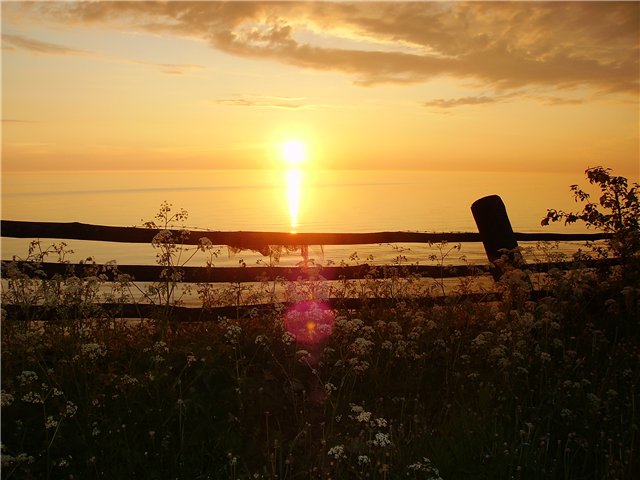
{"type": "Point", "coordinates": [528, 387]}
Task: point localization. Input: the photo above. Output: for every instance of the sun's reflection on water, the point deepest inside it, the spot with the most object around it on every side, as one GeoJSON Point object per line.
{"type": "Point", "coordinates": [294, 196]}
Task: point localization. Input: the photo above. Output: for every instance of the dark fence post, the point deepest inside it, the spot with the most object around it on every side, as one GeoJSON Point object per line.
{"type": "Point", "coordinates": [496, 233]}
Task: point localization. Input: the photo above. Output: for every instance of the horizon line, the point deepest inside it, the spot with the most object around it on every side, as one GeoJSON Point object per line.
{"type": "Point", "coordinates": [308, 169]}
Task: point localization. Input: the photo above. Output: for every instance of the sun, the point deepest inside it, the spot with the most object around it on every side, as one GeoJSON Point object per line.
{"type": "Point", "coordinates": [294, 152]}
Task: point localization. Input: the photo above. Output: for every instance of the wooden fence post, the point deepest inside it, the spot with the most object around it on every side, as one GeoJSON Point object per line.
{"type": "Point", "coordinates": [496, 233]}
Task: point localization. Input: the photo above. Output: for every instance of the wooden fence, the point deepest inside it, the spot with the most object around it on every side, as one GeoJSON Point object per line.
{"type": "Point", "coordinates": [494, 232]}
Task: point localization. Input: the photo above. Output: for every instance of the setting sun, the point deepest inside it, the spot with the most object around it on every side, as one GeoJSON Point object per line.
{"type": "Point", "coordinates": [339, 238]}
{"type": "Point", "coordinates": [294, 152]}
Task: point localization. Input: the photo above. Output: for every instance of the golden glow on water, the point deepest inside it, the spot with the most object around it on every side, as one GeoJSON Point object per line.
{"type": "Point", "coordinates": [268, 200]}
{"type": "Point", "coordinates": [284, 199]}
{"type": "Point", "coordinates": [294, 195]}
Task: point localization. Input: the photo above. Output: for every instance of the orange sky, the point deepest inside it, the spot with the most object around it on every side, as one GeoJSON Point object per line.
{"type": "Point", "coordinates": [452, 86]}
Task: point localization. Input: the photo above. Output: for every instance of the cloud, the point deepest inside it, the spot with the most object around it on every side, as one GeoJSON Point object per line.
{"type": "Point", "coordinates": [37, 47]}
{"type": "Point", "coordinates": [179, 69]}
{"type": "Point", "coordinates": [450, 103]}
{"type": "Point", "coordinates": [502, 45]}
{"type": "Point", "coordinates": [13, 120]}
{"type": "Point", "coordinates": [458, 102]}
{"type": "Point", "coordinates": [292, 103]}
{"type": "Point", "coordinates": [559, 101]}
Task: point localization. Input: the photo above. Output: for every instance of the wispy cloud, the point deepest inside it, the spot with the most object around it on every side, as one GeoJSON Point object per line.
{"type": "Point", "coordinates": [19, 42]}
{"type": "Point", "coordinates": [500, 45]}
{"type": "Point", "coordinates": [458, 102]}
{"type": "Point", "coordinates": [451, 103]}
{"type": "Point", "coordinates": [178, 69]}
{"type": "Point", "coordinates": [263, 101]}
{"type": "Point", "coordinates": [13, 120]}
{"type": "Point", "coordinates": [37, 47]}
{"type": "Point", "coordinates": [559, 101]}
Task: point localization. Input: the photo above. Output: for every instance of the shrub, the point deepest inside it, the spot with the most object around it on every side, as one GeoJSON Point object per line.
{"type": "Point", "coordinates": [617, 211]}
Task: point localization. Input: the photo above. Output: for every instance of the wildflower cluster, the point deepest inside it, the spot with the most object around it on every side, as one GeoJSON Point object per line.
{"type": "Point", "coordinates": [537, 384]}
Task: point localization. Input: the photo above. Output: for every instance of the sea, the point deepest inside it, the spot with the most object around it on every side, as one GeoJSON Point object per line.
{"type": "Point", "coordinates": [287, 200]}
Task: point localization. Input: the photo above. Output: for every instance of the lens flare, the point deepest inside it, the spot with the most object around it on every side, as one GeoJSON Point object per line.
{"type": "Point", "coordinates": [310, 322]}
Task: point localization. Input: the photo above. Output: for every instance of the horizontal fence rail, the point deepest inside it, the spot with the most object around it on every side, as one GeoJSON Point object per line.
{"type": "Point", "coordinates": [151, 273]}
{"type": "Point", "coordinates": [195, 314]}
{"type": "Point", "coordinates": [256, 240]}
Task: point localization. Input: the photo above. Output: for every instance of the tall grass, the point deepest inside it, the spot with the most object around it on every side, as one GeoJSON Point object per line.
{"type": "Point", "coordinates": [527, 387]}
{"type": "Point", "coordinates": [512, 389]}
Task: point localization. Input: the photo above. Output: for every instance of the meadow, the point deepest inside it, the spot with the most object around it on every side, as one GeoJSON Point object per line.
{"type": "Point", "coordinates": [539, 384]}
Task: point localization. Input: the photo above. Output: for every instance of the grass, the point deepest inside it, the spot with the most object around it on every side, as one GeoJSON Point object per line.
{"type": "Point", "coordinates": [527, 387]}
{"type": "Point", "coordinates": [518, 389]}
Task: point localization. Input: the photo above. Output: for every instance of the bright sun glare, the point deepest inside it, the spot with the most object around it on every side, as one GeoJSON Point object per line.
{"type": "Point", "coordinates": [294, 152]}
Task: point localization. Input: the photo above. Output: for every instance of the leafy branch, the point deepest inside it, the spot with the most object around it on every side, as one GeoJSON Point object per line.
{"type": "Point", "coordinates": [617, 211]}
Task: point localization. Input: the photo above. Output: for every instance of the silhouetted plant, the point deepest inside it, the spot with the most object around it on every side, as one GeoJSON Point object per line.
{"type": "Point", "coordinates": [533, 389]}
{"type": "Point", "coordinates": [172, 255]}
{"type": "Point", "coordinates": [617, 211]}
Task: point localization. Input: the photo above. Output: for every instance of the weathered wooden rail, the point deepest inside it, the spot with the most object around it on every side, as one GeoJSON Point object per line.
{"type": "Point", "coordinates": [257, 240]}
{"type": "Point", "coordinates": [494, 232]}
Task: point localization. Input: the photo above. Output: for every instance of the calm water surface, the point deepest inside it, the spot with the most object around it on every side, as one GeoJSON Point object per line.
{"type": "Point", "coordinates": [286, 200]}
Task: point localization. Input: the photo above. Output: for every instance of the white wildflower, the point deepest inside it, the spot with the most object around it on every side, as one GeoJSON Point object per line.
{"type": "Point", "coordinates": [359, 367]}
{"type": "Point", "coordinates": [70, 409]}
{"type": "Point", "coordinates": [26, 377]}
{"type": "Point", "coordinates": [8, 460]}
{"type": "Point", "coordinates": [288, 338]}
{"type": "Point", "coordinates": [349, 326]}
{"type": "Point", "coordinates": [481, 339]}
{"type": "Point", "coordinates": [163, 237]}
{"type": "Point", "coordinates": [232, 331]}
{"type": "Point", "coordinates": [92, 351]}
{"type": "Point", "coordinates": [204, 244]}
{"type": "Point", "coordinates": [380, 422]}
{"type": "Point", "coordinates": [128, 380]}
{"type": "Point", "coordinates": [6, 399]}
{"type": "Point", "coordinates": [363, 417]}
{"type": "Point", "coordinates": [303, 356]}
{"type": "Point", "coordinates": [381, 440]}
{"type": "Point", "coordinates": [337, 452]}
{"type": "Point", "coordinates": [426, 467]}
{"type": "Point", "coordinates": [361, 346]}
{"type": "Point", "coordinates": [31, 397]}
{"type": "Point", "coordinates": [329, 387]}
{"type": "Point", "coordinates": [50, 422]}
